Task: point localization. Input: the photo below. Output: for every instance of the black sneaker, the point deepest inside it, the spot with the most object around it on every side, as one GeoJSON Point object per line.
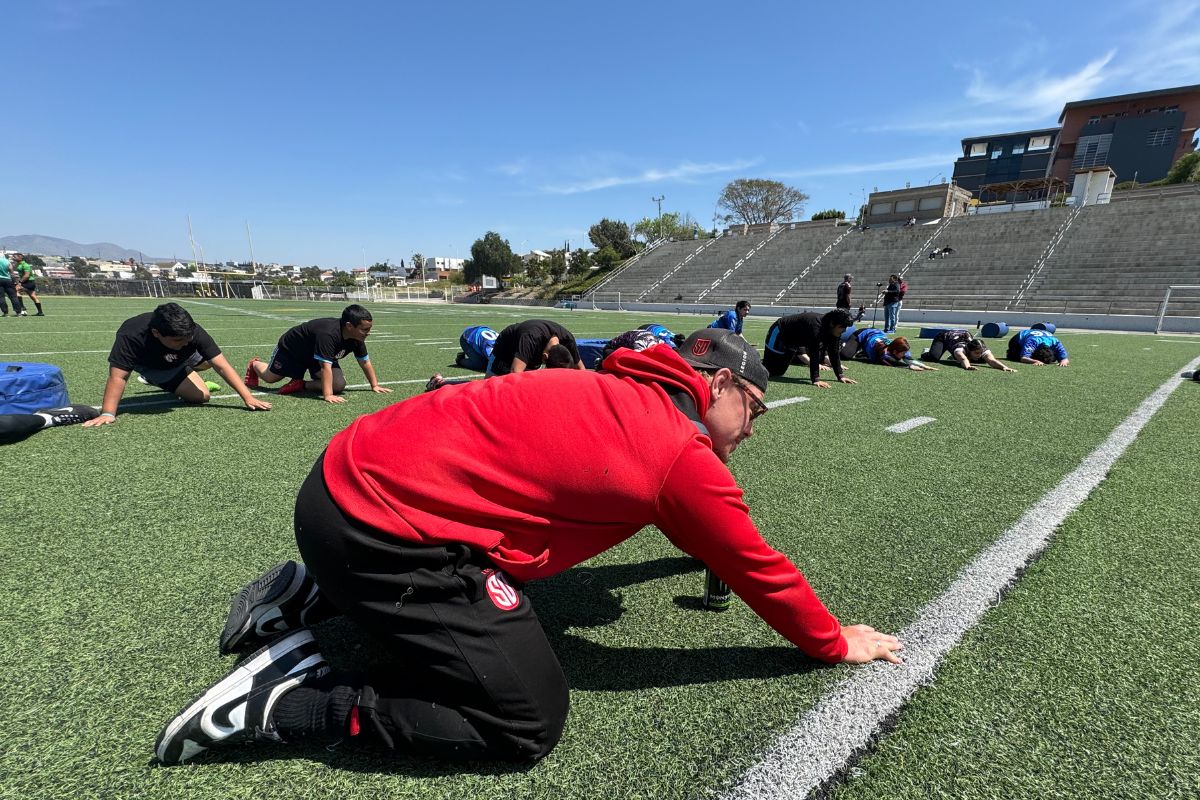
{"type": "Point", "coordinates": [239, 707]}
{"type": "Point", "coordinates": [282, 599]}
{"type": "Point", "coordinates": [69, 415]}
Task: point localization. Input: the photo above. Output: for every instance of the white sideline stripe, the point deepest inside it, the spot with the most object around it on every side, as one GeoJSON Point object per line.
{"type": "Point", "coordinates": [909, 424]}
{"type": "Point", "coordinates": [1179, 341]}
{"type": "Point", "coordinates": [787, 401]}
{"type": "Point", "coordinates": [239, 310]}
{"type": "Point", "coordinates": [173, 399]}
{"type": "Point", "coordinates": [846, 721]}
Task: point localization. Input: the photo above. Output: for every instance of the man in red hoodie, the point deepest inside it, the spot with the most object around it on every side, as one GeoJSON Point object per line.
{"type": "Point", "coordinates": [432, 560]}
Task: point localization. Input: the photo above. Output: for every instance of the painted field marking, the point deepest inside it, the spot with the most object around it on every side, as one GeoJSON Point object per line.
{"type": "Point", "coordinates": [239, 310]}
{"type": "Point", "coordinates": [909, 424]}
{"type": "Point", "coordinates": [173, 399]}
{"type": "Point", "coordinates": [787, 401]}
{"type": "Point", "coordinates": [843, 724]}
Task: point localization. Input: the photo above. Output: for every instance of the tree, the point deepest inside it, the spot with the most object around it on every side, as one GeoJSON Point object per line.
{"type": "Point", "coordinates": [142, 274]}
{"type": "Point", "coordinates": [343, 278]}
{"type": "Point", "coordinates": [185, 272]}
{"type": "Point", "coordinates": [81, 267]}
{"type": "Point", "coordinates": [418, 264]}
{"type": "Point", "coordinates": [491, 255]}
{"type": "Point", "coordinates": [614, 234]}
{"type": "Point", "coordinates": [829, 213]}
{"type": "Point", "coordinates": [1185, 170]}
{"type": "Point", "coordinates": [535, 270]}
{"type": "Point", "coordinates": [581, 262]}
{"type": "Point", "coordinates": [754, 201]}
{"type": "Point", "coordinates": [35, 261]}
{"type": "Point", "coordinates": [378, 267]}
{"type": "Point", "coordinates": [607, 257]}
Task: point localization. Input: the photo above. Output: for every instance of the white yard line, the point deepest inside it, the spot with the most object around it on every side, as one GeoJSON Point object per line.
{"type": "Point", "coordinates": [845, 723]}
{"type": "Point", "coordinates": [787, 401]}
{"type": "Point", "coordinates": [909, 424]}
{"type": "Point", "coordinates": [173, 399]}
{"type": "Point", "coordinates": [240, 310]}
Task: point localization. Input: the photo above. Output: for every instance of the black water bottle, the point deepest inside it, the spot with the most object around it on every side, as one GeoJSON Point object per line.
{"type": "Point", "coordinates": [717, 596]}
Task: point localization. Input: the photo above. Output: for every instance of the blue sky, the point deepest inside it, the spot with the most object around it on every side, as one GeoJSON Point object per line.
{"type": "Point", "coordinates": [375, 129]}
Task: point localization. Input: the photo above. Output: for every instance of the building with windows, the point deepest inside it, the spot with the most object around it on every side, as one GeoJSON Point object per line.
{"type": "Point", "coordinates": [1005, 158]}
{"type": "Point", "coordinates": [1138, 135]}
{"type": "Point", "coordinates": [917, 202]}
{"type": "Point", "coordinates": [440, 268]}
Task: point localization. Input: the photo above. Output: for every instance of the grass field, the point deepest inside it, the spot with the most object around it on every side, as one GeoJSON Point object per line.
{"type": "Point", "coordinates": [123, 545]}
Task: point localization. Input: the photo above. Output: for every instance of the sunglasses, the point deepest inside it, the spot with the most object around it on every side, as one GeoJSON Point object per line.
{"type": "Point", "coordinates": [757, 407]}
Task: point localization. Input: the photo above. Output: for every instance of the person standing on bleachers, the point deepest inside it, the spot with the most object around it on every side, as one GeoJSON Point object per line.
{"type": "Point", "coordinates": [731, 320]}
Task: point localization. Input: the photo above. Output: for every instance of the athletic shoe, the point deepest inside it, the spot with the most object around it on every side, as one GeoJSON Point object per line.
{"type": "Point", "coordinates": [281, 600]}
{"type": "Point", "coordinates": [251, 376]}
{"type": "Point", "coordinates": [436, 382]}
{"type": "Point", "coordinates": [39, 314]}
{"type": "Point", "coordinates": [292, 386]}
{"type": "Point", "coordinates": [23, 314]}
{"type": "Point", "coordinates": [69, 415]}
{"type": "Point", "coordinates": [239, 707]}
{"type": "Point", "coordinates": [142, 380]}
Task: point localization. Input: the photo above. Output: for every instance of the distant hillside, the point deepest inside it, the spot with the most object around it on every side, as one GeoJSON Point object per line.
{"type": "Point", "coordinates": [50, 246]}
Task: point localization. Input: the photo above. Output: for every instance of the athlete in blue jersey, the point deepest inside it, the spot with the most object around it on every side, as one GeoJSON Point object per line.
{"type": "Point", "coordinates": [731, 320]}
{"type": "Point", "coordinates": [476, 343]}
{"type": "Point", "coordinates": [873, 345]}
{"type": "Point", "coordinates": [1037, 348]}
{"type": "Point", "coordinates": [664, 334]}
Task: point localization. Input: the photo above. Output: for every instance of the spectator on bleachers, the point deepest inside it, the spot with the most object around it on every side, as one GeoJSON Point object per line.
{"type": "Point", "coordinates": [965, 349]}
{"type": "Point", "coordinates": [935, 252]}
{"type": "Point", "coordinates": [731, 320]}
{"type": "Point", "coordinates": [810, 337]}
{"type": "Point", "coordinates": [873, 346]}
{"type": "Point", "coordinates": [947, 251]}
{"type": "Point", "coordinates": [1038, 348]}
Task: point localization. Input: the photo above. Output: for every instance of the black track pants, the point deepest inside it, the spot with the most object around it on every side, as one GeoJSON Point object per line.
{"type": "Point", "coordinates": [473, 674]}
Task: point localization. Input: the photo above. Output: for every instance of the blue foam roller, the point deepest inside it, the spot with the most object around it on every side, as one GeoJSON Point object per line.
{"type": "Point", "coordinates": [849, 332]}
{"type": "Point", "coordinates": [993, 329]}
{"type": "Point", "coordinates": [26, 387]}
{"type": "Point", "coordinates": [929, 333]}
{"type": "Point", "coordinates": [1048, 327]}
{"type": "Point", "coordinates": [590, 350]}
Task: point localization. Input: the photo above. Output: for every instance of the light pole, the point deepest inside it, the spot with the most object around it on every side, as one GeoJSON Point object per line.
{"type": "Point", "coordinates": [659, 200]}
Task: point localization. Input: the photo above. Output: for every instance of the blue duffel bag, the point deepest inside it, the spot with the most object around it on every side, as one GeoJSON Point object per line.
{"type": "Point", "coordinates": [27, 387]}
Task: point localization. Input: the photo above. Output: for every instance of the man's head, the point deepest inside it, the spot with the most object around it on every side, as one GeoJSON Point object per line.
{"type": "Point", "coordinates": [737, 380]}
{"type": "Point", "coordinates": [557, 356]}
{"type": "Point", "coordinates": [16, 258]}
{"type": "Point", "coordinates": [894, 278]}
{"type": "Point", "coordinates": [975, 348]}
{"type": "Point", "coordinates": [742, 308]}
{"type": "Point", "coordinates": [835, 322]}
{"type": "Point", "coordinates": [172, 325]}
{"type": "Point", "coordinates": [356, 322]}
{"type": "Point", "coordinates": [1044, 353]}
{"type": "Point", "coordinates": [848, 278]}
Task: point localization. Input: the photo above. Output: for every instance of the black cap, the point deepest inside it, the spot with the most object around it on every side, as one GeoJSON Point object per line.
{"type": "Point", "coordinates": [718, 348]}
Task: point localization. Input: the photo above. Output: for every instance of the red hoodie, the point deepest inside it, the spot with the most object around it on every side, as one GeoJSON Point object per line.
{"type": "Point", "coordinates": [545, 469]}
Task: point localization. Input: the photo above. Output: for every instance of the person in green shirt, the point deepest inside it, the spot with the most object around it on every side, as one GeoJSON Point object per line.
{"type": "Point", "coordinates": [8, 290]}
{"type": "Point", "coordinates": [24, 280]}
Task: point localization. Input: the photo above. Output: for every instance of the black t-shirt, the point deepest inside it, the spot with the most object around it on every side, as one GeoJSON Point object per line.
{"type": "Point", "coordinates": [804, 330]}
{"type": "Point", "coordinates": [137, 348]}
{"type": "Point", "coordinates": [319, 340]}
{"type": "Point", "coordinates": [526, 341]}
{"type": "Point", "coordinates": [843, 292]}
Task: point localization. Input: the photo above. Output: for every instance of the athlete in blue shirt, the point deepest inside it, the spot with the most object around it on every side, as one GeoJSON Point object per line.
{"type": "Point", "coordinates": [731, 320]}
{"type": "Point", "coordinates": [1038, 348]}
{"type": "Point", "coordinates": [873, 345]}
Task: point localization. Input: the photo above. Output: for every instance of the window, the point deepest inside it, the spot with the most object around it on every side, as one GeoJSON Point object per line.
{"type": "Point", "coordinates": [1160, 136]}
{"type": "Point", "coordinates": [1094, 118]}
{"type": "Point", "coordinates": [881, 208]}
{"type": "Point", "coordinates": [1091, 151]}
{"type": "Point", "coordinates": [1018, 149]}
{"type": "Point", "coordinates": [979, 149]}
{"type": "Point", "coordinates": [997, 153]}
{"type": "Point", "coordinates": [1171, 109]}
{"type": "Point", "coordinates": [1039, 142]}
{"type": "Point", "coordinates": [928, 203]}
{"type": "Point", "coordinates": [905, 205]}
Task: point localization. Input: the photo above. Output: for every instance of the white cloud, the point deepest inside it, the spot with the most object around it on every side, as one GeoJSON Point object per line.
{"type": "Point", "coordinates": [954, 123]}
{"type": "Point", "coordinates": [1040, 94]}
{"type": "Point", "coordinates": [683, 172]}
{"type": "Point", "coordinates": [896, 165]}
{"type": "Point", "coordinates": [512, 168]}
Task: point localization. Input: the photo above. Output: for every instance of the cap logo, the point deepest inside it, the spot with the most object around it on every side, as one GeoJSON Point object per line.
{"type": "Point", "coordinates": [700, 346]}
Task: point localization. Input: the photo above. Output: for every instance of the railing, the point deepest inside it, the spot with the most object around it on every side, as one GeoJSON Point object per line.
{"type": "Point", "coordinates": [809, 268]}
{"type": "Point", "coordinates": [677, 267]}
{"type": "Point", "coordinates": [739, 263]}
{"type": "Point", "coordinates": [1040, 264]}
{"type": "Point", "coordinates": [636, 258]}
{"type": "Point", "coordinates": [958, 302]}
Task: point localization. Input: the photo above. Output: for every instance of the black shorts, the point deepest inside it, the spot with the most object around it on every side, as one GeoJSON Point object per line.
{"type": "Point", "coordinates": [291, 366]}
{"type": "Point", "coordinates": [777, 363]}
{"type": "Point", "coordinates": [169, 379]}
{"type": "Point", "coordinates": [29, 286]}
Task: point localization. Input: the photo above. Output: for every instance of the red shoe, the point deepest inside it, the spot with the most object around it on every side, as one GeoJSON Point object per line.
{"type": "Point", "coordinates": [251, 376]}
{"type": "Point", "coordinates": [292, 386]}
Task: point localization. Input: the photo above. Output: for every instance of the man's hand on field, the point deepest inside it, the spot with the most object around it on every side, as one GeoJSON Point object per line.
{"type": "Point", "coordinates": [100, 420]}
{"type": "Point", "coordinates": [254, 404]}
{"type": "Point", "coordinates": [864, 644]}
{"type": "Point", "coordinates": [381, 390]}
{"type": "Point", "coordinates": [333, 398]}
{"type": "Point", "coordinates": [844, 379]}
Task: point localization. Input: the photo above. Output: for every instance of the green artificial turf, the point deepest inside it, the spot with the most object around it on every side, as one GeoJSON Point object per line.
{"type": "Point", "coordinates": [125, 543]}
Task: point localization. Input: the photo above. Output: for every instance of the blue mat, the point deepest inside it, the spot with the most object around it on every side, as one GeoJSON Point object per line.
{"type": "Point", "coordinates": [26, 387]}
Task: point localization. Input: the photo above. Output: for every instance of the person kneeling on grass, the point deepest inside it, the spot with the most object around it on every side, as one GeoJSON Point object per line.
{"type": "Point", "coordinates": [811, 339]}
{"type": "Point", "coordinates": [873, 346]}
{"type": "Point", "coordinates": [965, 349]}
{"type": "Point", "coordinates": [531, 344]}
{"type": "Point", "coordinates": [431, 563]}
{"type": "Point", "coordinates": [1038, 348]}
{"type": "Point", "coordinates": [316, 347]}
{"type": "Point", "coordinates": [167, 348]}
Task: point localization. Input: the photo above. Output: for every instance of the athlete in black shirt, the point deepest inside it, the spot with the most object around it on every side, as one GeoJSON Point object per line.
{"type": "Point", "coordinates": [316, 347]}
{"type": "Point", "coordinates": [167, 347]}
{"type": "Point", "coordinates": [526, 345]}
{"type": "Point", "coordinates": [818, 336]}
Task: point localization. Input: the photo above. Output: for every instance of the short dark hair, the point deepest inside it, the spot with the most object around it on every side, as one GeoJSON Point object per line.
{"type": "Point", "coordinates": [838, 318]}
{"type": "Point", "coordinates": [1044, 353]}
{"type": "Point", "coordinates": [742, 304]}
{"type": "Point", "coordinates": [559, 357]}
{"type": "Point", "coordinates": [976, 345]}
{"type": "Point", "coordinates": [172, 319]}
{"type": "Point", "coordinates": [355, 315]}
